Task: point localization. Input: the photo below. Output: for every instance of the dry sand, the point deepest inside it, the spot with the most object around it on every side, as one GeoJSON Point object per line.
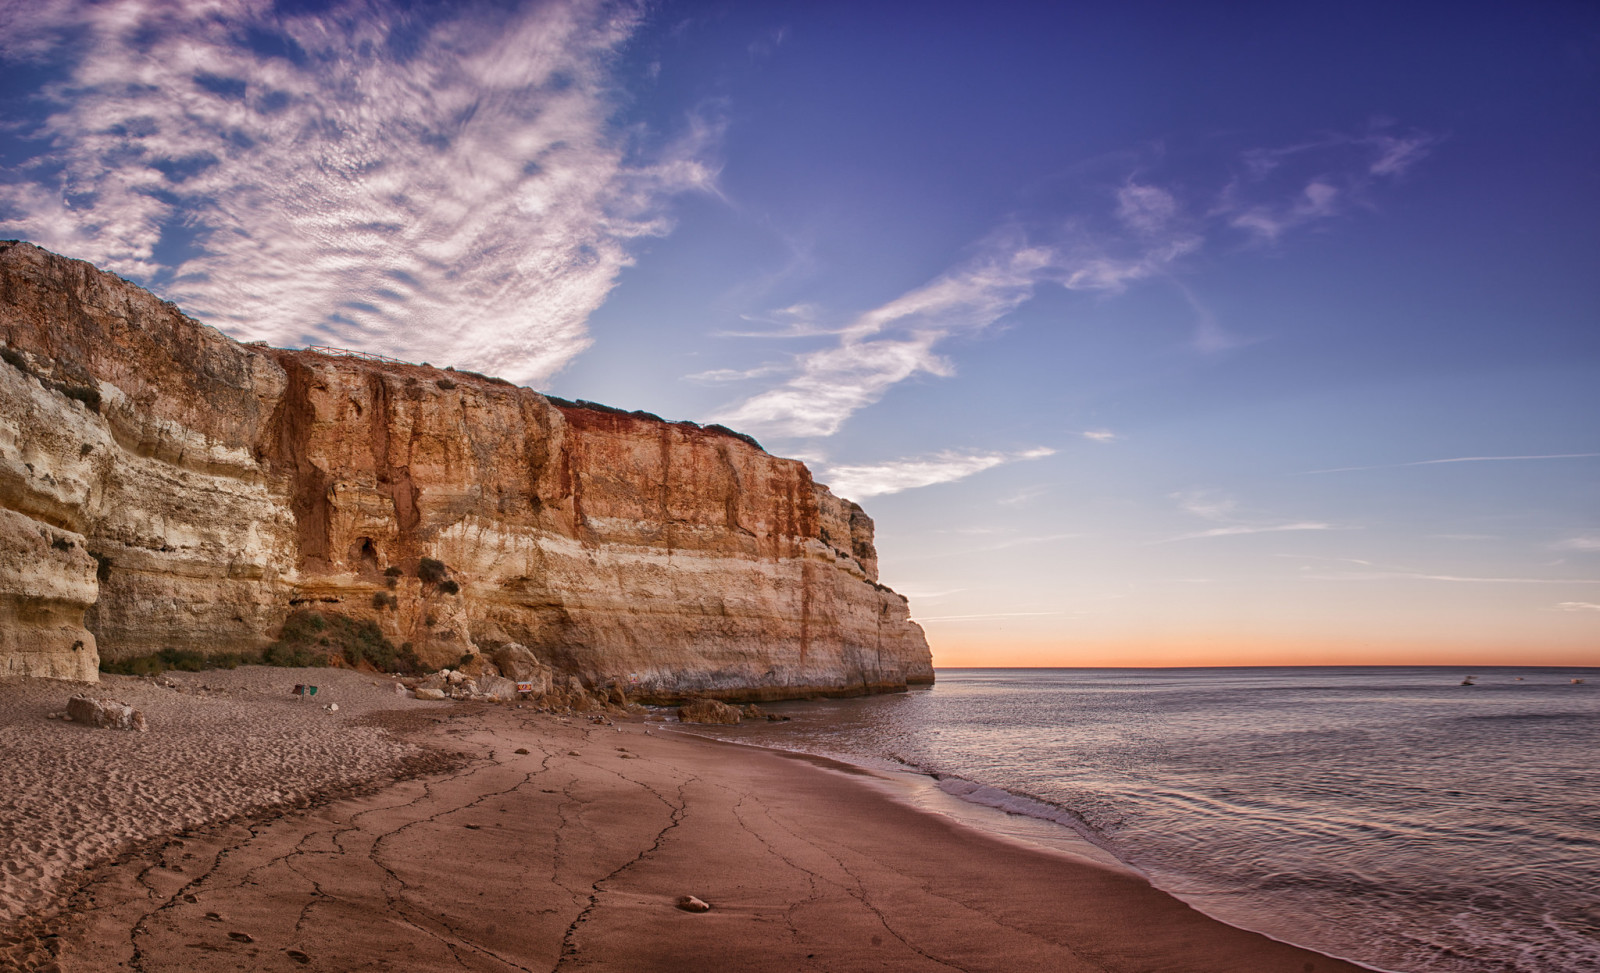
{"type": "Point", "coordinates": [569, 855]}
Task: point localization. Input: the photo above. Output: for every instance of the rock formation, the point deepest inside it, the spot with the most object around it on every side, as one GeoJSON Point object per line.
{"type": "Point", "coordinates": [164, 486]}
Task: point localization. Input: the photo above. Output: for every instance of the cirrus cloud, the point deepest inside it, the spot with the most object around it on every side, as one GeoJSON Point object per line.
{"type": "Point", "coordinates": [429, 182]}
{"type": "Point", "coordinates": [859, 482]}
{"type": "Point", "coordinates": [1145, 235]}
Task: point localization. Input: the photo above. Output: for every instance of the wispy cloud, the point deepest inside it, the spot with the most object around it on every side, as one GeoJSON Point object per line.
{"type": "Point", "coordinates": [1145, 234]}
{"type": "Point", "coordinates": [1100, 435]}
{"type": "Point", "coordinates": [443, 183]}
{"type": "Point", "coordinates": [1024, 496]}
{"type": "Point", "coordinates": [1205, 503]}
{"type": "Point", "coordinates": [859, 482]}
{"type": "Point", "coordinates": [1577, 606]}
{"type": "Point", "coordinates": [1285, 188]}
{"type": "Point", "coordinates": [1456, 578]}
{"type": "Point", "coordinates": [1314, 557]}
{"type": "Point", "coordinates": [1587, 543]}
{"type": "Point", "coordinates": [1213, 506]}
{"type": "Point", "coordinates": [891, 343]}
{"type": "Point", "coordinates": [1455, 459]}
{"type": "Point", "coordinates": [1238, 529]}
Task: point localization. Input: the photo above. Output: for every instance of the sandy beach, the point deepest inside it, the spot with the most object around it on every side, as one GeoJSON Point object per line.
{"type": "Point", "coordinates": [247, 830]}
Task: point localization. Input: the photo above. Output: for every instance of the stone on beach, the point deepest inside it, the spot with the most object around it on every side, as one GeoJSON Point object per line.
{"type": "Point", "coordinates": [689, 903]}
{"type": "Point", "coordinates": [518, 663]}
{"type": "Point", "coordinates": [497, 687]}
{"type": "Point", "coordinates": [707, 711]}
{"type": "Point", "coordinates": [106, 713]}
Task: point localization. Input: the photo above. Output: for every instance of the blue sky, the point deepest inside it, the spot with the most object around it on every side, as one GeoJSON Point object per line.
{"type": "Point", "coordinates": [1241, 333]}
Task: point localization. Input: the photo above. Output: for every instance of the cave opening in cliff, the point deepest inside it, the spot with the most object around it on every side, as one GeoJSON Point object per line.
{"type": "Point", "coordinates": [365, 555]}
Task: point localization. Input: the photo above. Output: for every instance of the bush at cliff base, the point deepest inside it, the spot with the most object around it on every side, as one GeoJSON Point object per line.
{"type": "Point", "coordinates": [311, 638]}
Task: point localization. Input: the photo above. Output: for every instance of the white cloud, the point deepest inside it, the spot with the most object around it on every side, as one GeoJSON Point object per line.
{"type": "Point", "coordinates": [902, 338]}
{"type": "Point", "coordinates": [1397, 154]}
{"type": "Point", "coordinates": [717, 375]}
{"type": "Point", "coordinates": [860, 482]}
{"type": "Point", "coordinates": [468, 201]}
{"type": "Point", "coordinates": [1205, 503]}
{"type": "Point", "coordinates": [1146, 209]}
{"type": "Point", "coordinates": [1456, 459]}
{"type": "Point", "coordinates": [1212, 506]}
{"type": "Point", "coordinates": [1456, 578]}
{"type": "Point", "coordinates": [1100, 435]}
{"type": "Point", "coordinates": [1577, 606]}
{"type": "Point", "coordinates": [1289, 187]}
{"type": "Point", "coordinates": [1237, 529]}
{"type": "Point", "coordinates": [829, 385]}
{"type": "Point", "coordinates": [1586, 543]}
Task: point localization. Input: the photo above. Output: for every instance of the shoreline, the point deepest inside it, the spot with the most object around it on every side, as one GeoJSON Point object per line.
{"type": "Point", "coordinates": [560, 843]}
{"type": "Point", "coordinates": [917, 788]}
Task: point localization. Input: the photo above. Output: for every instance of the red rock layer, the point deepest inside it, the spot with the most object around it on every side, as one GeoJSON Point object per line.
{"type": "Point", "coordinates": [205, 489]}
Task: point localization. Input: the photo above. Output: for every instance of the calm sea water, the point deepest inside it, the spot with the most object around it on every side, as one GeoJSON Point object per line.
{"type": "Point", "coordinates": [1388, 815]}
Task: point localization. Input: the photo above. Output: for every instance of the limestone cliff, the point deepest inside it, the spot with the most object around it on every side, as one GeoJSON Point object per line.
{"type": "Point", "coordinates": [162, 485]}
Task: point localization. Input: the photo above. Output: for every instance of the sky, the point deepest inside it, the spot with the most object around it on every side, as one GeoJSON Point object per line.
{"type": "Point", "coordinates": [1149, 334]}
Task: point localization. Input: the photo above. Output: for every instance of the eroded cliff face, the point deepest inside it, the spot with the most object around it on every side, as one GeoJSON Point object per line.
{"type": "Point", "coordinates": [162, 485]}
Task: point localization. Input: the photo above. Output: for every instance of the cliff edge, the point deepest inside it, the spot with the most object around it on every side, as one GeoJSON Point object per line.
{"type": "Point", "coordinates": [162, 485]}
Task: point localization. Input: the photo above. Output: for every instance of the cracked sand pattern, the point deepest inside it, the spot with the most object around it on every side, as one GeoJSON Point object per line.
{"type": "Point", "coordinates": [571, 857]}
{"type": "Point", "coordinates": [72, 795]}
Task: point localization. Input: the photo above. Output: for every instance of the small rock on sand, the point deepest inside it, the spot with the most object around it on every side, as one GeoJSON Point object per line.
{"type": "Point", "coordinates": [522, 750]}
{"type": "Point", "coordinates": [422, 692]}
{"type": "Point", "coordinates": [108, 713]}
{"type": "Point", "coordinates": [689, 903]}
{"type": "Point", "coordinates": [332, 707]}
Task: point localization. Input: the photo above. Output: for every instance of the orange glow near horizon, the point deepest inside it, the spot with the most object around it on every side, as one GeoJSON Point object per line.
{"type": "Point", "coordinates": [1252, 651]}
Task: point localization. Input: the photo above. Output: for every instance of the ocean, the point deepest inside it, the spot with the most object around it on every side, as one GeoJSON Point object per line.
{"type": "Point", "coordinates": [1390, 816]}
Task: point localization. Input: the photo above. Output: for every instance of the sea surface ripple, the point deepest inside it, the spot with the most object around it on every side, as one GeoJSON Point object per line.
{"type": "Point", "coordinates": [1388, 815]}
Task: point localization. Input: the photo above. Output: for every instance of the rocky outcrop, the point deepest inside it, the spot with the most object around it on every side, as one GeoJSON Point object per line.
{"type": "Point", "coordinates": [108, 714]}
{"type": "Point", "coordinates": [164, 486]}
{"type": "Point", "coordinates": [708, 711]}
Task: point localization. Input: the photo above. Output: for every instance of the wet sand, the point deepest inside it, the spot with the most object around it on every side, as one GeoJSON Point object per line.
{"type": "Point", "coordinates": [573, 854]}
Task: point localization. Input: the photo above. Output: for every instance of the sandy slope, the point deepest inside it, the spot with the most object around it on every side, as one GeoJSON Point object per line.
{"type": "Point", "coordinates": [220, 743]}
{"type": "Point", "coordinates": [572, 855]}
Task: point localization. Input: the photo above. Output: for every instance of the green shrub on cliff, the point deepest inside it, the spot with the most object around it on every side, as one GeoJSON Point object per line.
{"type": "Point", "coordinates": [310, 638]}
{"type": "Point", "coordinates": [178, 660]}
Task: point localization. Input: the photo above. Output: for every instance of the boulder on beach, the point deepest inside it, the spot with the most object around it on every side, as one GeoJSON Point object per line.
{"type": "Point", "coordinates": [110, 714]}
{"type": "Point", "coordinates": [707, 711]}
{"type": "Point", "coordinates": [519, 664]}
{"type": "Point", "coordinates": [497, 687]}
